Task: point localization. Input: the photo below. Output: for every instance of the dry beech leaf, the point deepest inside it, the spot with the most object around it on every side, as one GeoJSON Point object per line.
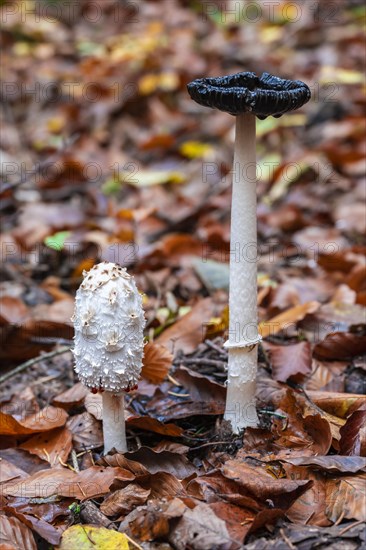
{"type": "Point", "coordinates": [25, 461]}
{"type": "Point", "coordinates": [44, 420]}
{"type": "Point", "coordinates": [331, 463]}
{"type": "Point", "coordinates": [9, 471]}
{"type": "Point", "coordinates": [262, 486]}
{"type": "Point", "coordinates": [153, 425]}
{"type": "Point", "coordinates": [237, 519]}
{"type": "Point", "coordinates": [200, 387]}
{"type": "Point", "coordinates": [163, 461]}
{"type": "Point", "coordinates": [302, 435]}
{"type": "Point", "coordinates": [72, 397]}
{"type": "Point", "coordinates": [188, 332]}
{"type": "Point", "coordinates": [86, 431]}
{"type": "Point", "coordinates": [201, 529]}
{"type": "Point", "coordinates": [286, 319]}
{"type": "Point", "coordinates": [203, 487]}
{"type": "Point", "coordinates": [338, 404]}
{"type": "Point", "coordinates": [292, 361]}
{"type": "Point", "coordinates": [90, 483]}
{"type": "Point", "coordinates": [121, 502]}
{"type": "Point", "coordinates": [94, 405]}
{"type": "Point", "coordinates": [162, 485]}
{"type": "Point", "coordinates": [341, 345]}
{"type": "Point", "coordinates": [120, 461]}
{"type": "Point", "coordinates": [14, 535]}
{"type": "Point", "coordinates": [35, 516]}
{"type": "Point", "coordinates": [54, 446]}
{"type": "Point", "coordinates": [309, 508]}
{"type": "Point", "coordinates": [346, 497]}
{"type": "Point", "coordinates": [148, 522]}
{"type": "Point", "coordinates": [353, 434]}
{"type": "Point", "coordinates": [157, 362]}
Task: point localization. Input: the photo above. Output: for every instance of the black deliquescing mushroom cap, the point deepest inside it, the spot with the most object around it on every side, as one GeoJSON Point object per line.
{"type": "Point", "coordinates": [239, 93]}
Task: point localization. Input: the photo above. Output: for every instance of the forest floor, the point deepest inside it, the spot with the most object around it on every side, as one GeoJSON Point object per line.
{"type": "Point", "coordinates": [105, 157]}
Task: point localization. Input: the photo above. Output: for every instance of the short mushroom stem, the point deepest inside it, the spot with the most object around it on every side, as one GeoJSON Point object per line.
{"type": "Point", "coordinates": [114, 429]}
{"type": "Point", "coordinates": [243, 322]}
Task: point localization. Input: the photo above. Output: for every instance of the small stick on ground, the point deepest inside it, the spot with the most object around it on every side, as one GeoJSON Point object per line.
{"type": "Point", "coordinates": [31, 362]}
{"type": "Point", "coordinates": [202, 361]}
{"type": "Point", "coordinates": [217, 348]}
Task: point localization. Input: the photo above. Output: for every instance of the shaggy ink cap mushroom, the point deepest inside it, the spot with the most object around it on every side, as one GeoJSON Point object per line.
{"type": "Point", "coordinates": [239, 93]}
{"type": "Point", "coordinates": [109, 343]}
{"type": "Point", "coordinates": [245, 95]}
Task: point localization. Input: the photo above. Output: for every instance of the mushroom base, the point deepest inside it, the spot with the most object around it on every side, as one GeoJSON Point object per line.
{"type": "Point", "coordinates": [240, 408]}
{"type": "Point", "coordinates": [114, 430]}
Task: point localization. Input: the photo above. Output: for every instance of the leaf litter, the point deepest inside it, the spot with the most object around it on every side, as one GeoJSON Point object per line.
{"type": "Point", "coordinates": [297, 479]}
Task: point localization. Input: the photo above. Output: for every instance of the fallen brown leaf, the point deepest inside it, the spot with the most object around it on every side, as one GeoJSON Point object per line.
{"type": "Point", "coordinates": [353, 434]}
{"type": "Point", "coordinates": [163, 461]}
{"type": "Point", "coordinates": [262, 486]}
{"type": "Point", "coordinates": [123, 501]}
{"type": "Point", "coordinates": [346, 497]}
{"type": "Point", "coordinates": [287, 318]}
{"type": "Point", "coordinates": [341, 345]}
{"type": "Point", "coordinates": [157, 362]}
{"type": "Point", "coordinates": [291, 362]}
{"type": "Point", "coordinates": [53, 446]}
{"type": "Point", "coordinates": [188, 332]}
{"type": "Point", "coordinates": [200, 528]}
{"type": "Point", "coordinates": [86, 431]}
{"type": "Point", "coordinates": [46, 419]}
{"type": "Point", "coordinates": [90, 483]}
{"type": "Point", "coordinates": [15, 535]}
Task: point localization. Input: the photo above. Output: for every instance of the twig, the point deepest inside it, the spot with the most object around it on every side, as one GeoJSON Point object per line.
{"type": "Point", "coordinates": [211, 443]}
{"type": "Point", "coordinates": [173, 380]}
{"type": "Point", "coordinates": [350, 527]}
{"type": "Point", "coordinates": [203, 361]}
{"type": "Point", "coordinates": [74, 460]}
{"type": "Point", "coordinates": [287, 540]}
{"type": "Point", "coordinates": [217, 348]}
{"type": "Point", "coordinates": [178, 394]}
{"type": "Point", "coordinates": [32, 362]}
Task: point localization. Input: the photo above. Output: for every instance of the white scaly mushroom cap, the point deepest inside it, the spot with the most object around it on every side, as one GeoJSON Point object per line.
{"type": "Point", "coordinates": [109, 323]}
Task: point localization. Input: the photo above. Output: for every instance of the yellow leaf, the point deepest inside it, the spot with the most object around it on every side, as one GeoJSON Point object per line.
{"type": "Point", "coordinates": [287, 318]}
{"type": "Point", "coordinates": [337, 75]}
{"type": "Point", "coordinates": [88, 537]}
{"type": "Point", "coordinates": [166, 81]}
{"type": "Point", "coordinates": [195, 149]}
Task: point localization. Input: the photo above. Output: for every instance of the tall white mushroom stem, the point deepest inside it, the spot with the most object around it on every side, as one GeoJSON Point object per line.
{"type": "Point", "coordinates": [114, 429]}
{"type": "Point", "coordinates": [243, 321]}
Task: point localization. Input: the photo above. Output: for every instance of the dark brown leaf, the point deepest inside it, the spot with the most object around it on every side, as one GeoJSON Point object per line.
{"type": "Point", "coordinates": [261, 485]}
{"type": "Point", "coordinates": [200, 387]}
{"type": "Point", "coordinates": [291, 362]}
{"type": "Point", "coordinates": [14, 535]}
{"type": "Point", "coordinates": [200, 528]}
{"type": "Point", "coordinates": [353, 434]}
{"type": "Point", "coordinates": [123, 501]}
{"type": "Point", "coordinates": [163, 461]}
{"type": "Point", "coordinates": [331, 463]}
{"type": "Point", "coordinates": [153, 425]}
{"type": "Point", "coordinates": [341, 345]}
